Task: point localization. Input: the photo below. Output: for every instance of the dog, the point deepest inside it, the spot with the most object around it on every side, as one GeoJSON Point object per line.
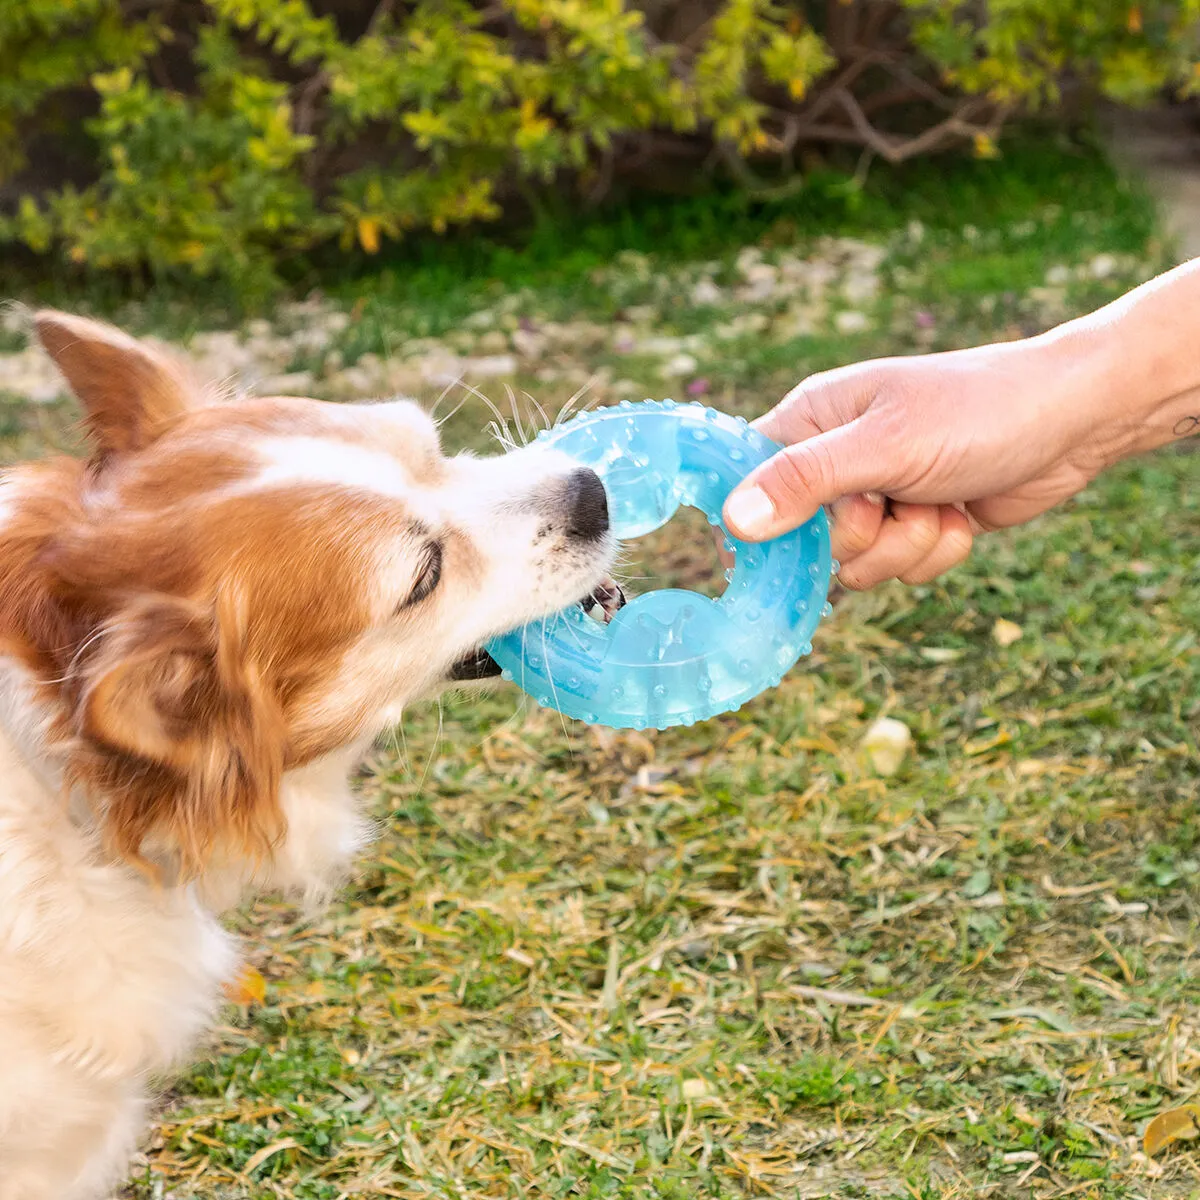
{"type": "Point", "coordinates": [203, 626]}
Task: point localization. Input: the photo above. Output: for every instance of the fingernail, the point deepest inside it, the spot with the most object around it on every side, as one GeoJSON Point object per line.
{"type": "Point", "coordinates": [751, 511]}
{"type": "Point", "coordinates": [874, 497]}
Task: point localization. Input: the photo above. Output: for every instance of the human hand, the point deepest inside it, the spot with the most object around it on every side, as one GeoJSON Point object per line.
{"type": "Point", "coordinates": [917, 455]}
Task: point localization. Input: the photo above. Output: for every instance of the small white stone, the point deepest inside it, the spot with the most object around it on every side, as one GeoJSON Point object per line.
{"type": "Point", "coordinates": [760, 273]}
{"type": "Point", "coordinates": [799, 321]}
{"type": "Point", "coordinates": [641, 314]}
{"type": "Point", "coordinates": [1102, 266]}
{"type": "Point", "coordinates": [681, 364]}
{"type": "Point", "coordinates": [440, 368]}
{"type": "Point", "coordinates": [751, 322]}
{"type": "Point", "coordinates": [528, 344]}
{"type": "Point", "coordinates": [293, 383]}
{"type": "Point", "coordinates": [30, 374]}
{"type": "Point", "coordinates": [483, 319]}
{"type": "Point", "coordinates": [659, 346]}
{"type": "Point", "coordinates": [493, 342]}
{"type": "Point", "coordinates": [492, 366]}
{"type": "Point", "coordinates": [860, 286]}
{"type": "Point", "coordinates": [706, 292]}
{"type": "Point", "coordinates": [851, 321]}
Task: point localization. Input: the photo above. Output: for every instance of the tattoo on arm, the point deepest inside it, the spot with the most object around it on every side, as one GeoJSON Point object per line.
{"type": "Point", "coordinates": [1186, 426]}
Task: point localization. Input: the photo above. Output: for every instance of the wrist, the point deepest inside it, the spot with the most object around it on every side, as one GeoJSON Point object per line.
{"type": "Point", "coordinates": [1122, 390]}
{"type": "Point", "coordinates": [1133, 368]}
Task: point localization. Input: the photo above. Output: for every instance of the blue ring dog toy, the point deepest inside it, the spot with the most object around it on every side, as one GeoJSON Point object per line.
{"type": "Point", "coordinates": [674, 657]}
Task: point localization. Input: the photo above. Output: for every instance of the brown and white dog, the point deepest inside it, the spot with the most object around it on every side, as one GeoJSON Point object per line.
{"type": "Point", "coordinates": [201, 630]}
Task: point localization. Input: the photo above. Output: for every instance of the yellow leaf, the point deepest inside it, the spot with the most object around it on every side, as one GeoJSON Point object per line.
{"type": "Point", "coordinates": [191, 251]}
{"type": "Point", "coordinates": [797, 88]}
{"type": "Point", "coordinates": [985, 744]}
{"type": "Point", "coordinates": [250, 988]}
{"type": "Point", "coordinates": [368, 234]}
{"type": "Point", "coordinates": [78, 254]}
{"type": "Point", "coordinates": [985, 147]}
{"type": "Point", "coordinates": [1004, 633]}
{"type": "Point", "coordinates": [1134, 23]}
{"type": "Point", "coordinates": [1174, 1125]}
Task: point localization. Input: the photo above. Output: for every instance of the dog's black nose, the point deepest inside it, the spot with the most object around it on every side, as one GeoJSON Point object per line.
{"type": "Point", "coordinates": [587, 505]}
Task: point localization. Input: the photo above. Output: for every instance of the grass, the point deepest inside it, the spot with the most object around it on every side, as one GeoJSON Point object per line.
{"type": "Point", "coordinates": [730, 961]}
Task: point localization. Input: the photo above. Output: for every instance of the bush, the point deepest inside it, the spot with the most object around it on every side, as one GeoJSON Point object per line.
{"type": "Point", "coordinates": [217, 137]}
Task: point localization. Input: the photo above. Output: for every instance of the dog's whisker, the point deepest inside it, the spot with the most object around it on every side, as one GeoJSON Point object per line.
{"type": "Point", "coordinates": [433, 412]}
{"type": "Point", "coordinates": [566, 410]}
{"type": "Point", "coordinates": [554, 694]}
{"type": "Point", "coordinates": [517, 419]}
{"type": "Point", "coordinates": [444, 421]}
{"type": "Point", "coordinates": [502, 432]}
{"type": "Point", "coordinates": [400, 747]}
{"type": "Point", "coordinates": [541, 411]}
{"type": "Point", "coordinates": [431, 757]}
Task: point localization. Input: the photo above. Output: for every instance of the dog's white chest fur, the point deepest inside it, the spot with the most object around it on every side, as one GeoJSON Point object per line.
{"type": "Point", "coordinates": [106, 979]}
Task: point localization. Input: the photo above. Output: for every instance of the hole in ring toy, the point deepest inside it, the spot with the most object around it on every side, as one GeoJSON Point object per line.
{"type": "Point", "coordinates": [674, 657]}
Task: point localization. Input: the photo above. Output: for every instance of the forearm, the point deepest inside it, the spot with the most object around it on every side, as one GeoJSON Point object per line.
{"type": "Point", "coordinates": [1135, 364]}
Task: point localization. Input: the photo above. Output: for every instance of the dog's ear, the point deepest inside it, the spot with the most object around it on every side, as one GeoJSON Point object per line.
{"type": "Point", "coordinates": [178, 735]}
{"type": "Point", "coordinates": [128, 390]}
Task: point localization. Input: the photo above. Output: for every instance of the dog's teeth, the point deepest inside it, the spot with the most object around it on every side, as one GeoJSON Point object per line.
{"type": "Point", "coordinates": [606, 596]}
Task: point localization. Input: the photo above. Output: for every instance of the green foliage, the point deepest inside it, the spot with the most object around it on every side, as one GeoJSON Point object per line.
{"type": "Point", "coordinates": [1130, 52]}
{"type": "Point", "coordinates": [216, 140]}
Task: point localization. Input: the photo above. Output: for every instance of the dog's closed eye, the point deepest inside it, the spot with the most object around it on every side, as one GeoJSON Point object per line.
{"type": "Point", "coordinates": [429, 575]}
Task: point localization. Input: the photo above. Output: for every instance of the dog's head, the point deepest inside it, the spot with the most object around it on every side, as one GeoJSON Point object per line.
{"type": "Point", "coordinates": [228, 590]}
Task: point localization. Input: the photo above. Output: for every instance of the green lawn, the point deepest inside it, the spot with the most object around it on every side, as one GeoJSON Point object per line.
{"type": "Point", "coordinates": [729, 960]}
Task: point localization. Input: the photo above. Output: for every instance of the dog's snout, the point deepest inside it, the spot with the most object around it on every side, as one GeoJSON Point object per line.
{"type": "Point", "coordinates": [587, 505]}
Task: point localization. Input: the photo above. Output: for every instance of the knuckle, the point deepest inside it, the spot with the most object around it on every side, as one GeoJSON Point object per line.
{"type": "Point", "coordinates": [922, 573]}
{"type": "Point", "coordinates": [795, 476]}
{"type": "Point", "coordinates": [959, 544]}
{"type": "Point", "coordinates": [921, 528]}
{"type": "Point", "coordinates": [952, 550]}
{"type": "Point", "coordinates": [850, 539]}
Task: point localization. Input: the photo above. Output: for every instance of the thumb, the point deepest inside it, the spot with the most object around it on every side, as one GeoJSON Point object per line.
{"type": "Point", "coordinates": [789, 488]}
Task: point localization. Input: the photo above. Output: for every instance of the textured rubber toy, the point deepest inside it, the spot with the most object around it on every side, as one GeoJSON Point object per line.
{"type": "Point", "coordinates": [674, 657]}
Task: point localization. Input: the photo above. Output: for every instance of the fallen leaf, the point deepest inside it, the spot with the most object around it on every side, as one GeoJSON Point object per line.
{"type": "Point", "coordinates": [259, 1157]}
{"type": "Point", "coordinates": [694, 1089]}
{"type": "Point", "coordinates": [1004, 633]}
{"type": "Point", "coordinates": [1047, 1017]}
{"type": "Point", "coordinates": [834, 996]}
{"type": "Point", "coordinates": [978, 884]}
{"type": "Point", "coordinates": [1174, 1125]}
{"type": "Point", "coordinates": [940, 654]}
{"type": "Point", "coordinates": [886, 744]}
{"type": "Point", "coordinates": [249, 988]}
